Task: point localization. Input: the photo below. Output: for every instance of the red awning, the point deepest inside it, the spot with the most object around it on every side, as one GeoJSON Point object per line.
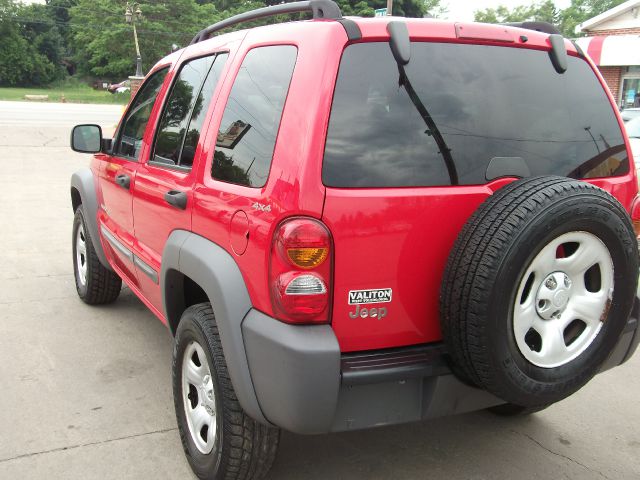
{"type": "Point", "coordinates": [612, 50]}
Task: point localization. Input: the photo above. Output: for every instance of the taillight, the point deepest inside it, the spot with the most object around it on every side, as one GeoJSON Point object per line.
{"type": "Point", "coordinates": [300, 271]}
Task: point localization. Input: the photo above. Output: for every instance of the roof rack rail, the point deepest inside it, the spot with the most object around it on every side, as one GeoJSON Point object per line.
{"type": "Point", "coordinates": [544, 27]}
{"type": "Point", "coordinates": [321, 9]}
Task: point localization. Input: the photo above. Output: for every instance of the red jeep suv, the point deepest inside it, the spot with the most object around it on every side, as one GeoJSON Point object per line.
{"type": "Point", "coordinates": [349, 222]}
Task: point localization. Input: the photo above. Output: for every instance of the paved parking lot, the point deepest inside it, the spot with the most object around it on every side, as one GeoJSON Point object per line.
{"type": "Point", "coordinates": [85, 391]}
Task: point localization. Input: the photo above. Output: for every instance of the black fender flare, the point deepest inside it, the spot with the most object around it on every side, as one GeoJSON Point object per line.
{"type": "Point", "coordinates": [82, 181]}
{"type": "Point", "coordinates": [216, 272]}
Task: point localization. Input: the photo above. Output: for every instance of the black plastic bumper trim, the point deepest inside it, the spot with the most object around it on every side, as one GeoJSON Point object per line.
{"type": "Point", "coordinates": [633, 325]}
{"type": "Point", "coordinates": [395, 364]}
{"type": "Point", "coordinates": [351, 28]}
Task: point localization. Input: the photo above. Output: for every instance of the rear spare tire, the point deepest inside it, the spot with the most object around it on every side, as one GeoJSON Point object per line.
{"type": "Point", "coordinates": [538, 288]}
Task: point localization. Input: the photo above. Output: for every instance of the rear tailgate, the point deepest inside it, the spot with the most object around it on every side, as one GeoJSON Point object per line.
{"type": "Point", "coordinates": [412, 151]}
{"type": "Point", "coordinates": [398, 241]}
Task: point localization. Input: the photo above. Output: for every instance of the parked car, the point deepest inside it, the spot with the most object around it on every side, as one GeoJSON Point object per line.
{"type": "Point", "coordinates": [121, 87]}
{"type": "Point", "coordinates": [630, 113]}
{"type": "Point", "coordinates": [350, 222]}
{"type": "Point", "coordinates": [633, 131]}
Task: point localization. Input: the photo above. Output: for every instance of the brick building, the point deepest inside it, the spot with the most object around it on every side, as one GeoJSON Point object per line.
{"type": "Point", "coordinates": [613, 42]}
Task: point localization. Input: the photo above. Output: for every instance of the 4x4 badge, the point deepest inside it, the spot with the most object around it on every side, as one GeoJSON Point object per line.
{"type": "Point", "coordinates": [261, 207]}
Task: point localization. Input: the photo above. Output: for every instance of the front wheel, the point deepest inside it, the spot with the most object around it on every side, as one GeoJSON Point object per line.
{"type": "Point", "coordinates": [95, 284]}
{"type": "Point", "coordinates": [221, 442]}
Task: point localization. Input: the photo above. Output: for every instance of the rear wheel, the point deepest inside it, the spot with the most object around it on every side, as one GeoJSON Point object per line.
{"type": "Point", "coordinates": [95, 284]}
{"type": "Point", "coordinates": [221, 442]}
{"type": "Point", "coordinates": [538, 289]}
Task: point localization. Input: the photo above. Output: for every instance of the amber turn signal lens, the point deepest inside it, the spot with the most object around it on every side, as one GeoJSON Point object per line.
{"type": "Point", "coordinates": [309, 257]}
{"type": "Point", "coordinates": [636, 227]}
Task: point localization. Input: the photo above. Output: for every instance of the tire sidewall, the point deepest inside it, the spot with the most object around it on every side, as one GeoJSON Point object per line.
{"type": "Point", "coordinates": [572, 214]}
{"type": "Point", "coordinates": [204, 465]}
{"type": "Point", "coordinates": [77, 221]}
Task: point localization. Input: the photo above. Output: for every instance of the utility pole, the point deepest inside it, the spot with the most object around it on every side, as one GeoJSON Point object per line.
{"type": "Point", "coordinates": [389, 6]}
{"type": "Point", "coordinates": [131, 15]}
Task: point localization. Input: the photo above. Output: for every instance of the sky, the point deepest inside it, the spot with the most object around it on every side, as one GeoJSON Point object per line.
{"type": "Point", "coordinates": [463, 10]}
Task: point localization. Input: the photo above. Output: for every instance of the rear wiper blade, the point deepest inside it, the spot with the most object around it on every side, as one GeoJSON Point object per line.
{"type": "Point", "coordinates": [400, 47]}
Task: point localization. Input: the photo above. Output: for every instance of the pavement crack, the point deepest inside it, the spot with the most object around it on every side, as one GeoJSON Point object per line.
{"type": "Point", "coordinates": [82, 445]}
{"type": "Point", "coordinates": [542, 446]}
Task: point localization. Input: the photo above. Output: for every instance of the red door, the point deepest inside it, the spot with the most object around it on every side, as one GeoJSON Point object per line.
{"type": "Point", "coordinates": [162, 200]}
{"type": "Point", "coordinates": [117, 177]}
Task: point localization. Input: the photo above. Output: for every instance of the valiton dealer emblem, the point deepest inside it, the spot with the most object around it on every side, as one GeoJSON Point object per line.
{"type": "Point", "coordinates": [360, 297]}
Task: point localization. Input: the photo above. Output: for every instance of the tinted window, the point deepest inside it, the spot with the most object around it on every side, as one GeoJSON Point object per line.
{"type": "Point", "coordinates": [247, 135]}
{"type": "Point", "coordinates": [477, 113]}
{"type": "Point", "coordinates": [200, 111]}
{"type": "Point", "coordinates": [185, 110]}
{"type": "Point", "coordinates": [135, 122]}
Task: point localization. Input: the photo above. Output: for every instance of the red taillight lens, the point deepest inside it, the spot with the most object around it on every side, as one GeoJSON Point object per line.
{"type": "Point", "coordinates": [300, 271]}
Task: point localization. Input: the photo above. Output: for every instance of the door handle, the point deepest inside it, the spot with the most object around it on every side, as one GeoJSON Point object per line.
{"type": "Point", "coordinates": [176, 198]}
{"type": "Point", "coordinates": [123, 180]}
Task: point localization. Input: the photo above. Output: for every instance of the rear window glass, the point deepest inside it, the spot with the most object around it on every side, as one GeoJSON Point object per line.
{"type": "Point", "coordinates": [468, 114]}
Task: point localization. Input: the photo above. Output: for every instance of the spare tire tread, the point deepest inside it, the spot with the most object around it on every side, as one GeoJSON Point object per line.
{"type": "Point", "coordinates": [475, 260]}
{"type": "Point", "coordinates": [460, 270]}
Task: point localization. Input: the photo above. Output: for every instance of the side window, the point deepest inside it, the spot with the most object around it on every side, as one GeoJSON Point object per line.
{"type": "Point", "coordinates": [184, 112]}
{"type": "Point", "coordinates": [247, 135]}
{"type": "Point", "coordinates": [199, 114]}
{"type": "Point", "coordinates": [137, 117]}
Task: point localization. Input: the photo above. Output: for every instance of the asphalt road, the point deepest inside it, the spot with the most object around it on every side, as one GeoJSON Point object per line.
{"type": "Point", "coordinates": [85, 392]}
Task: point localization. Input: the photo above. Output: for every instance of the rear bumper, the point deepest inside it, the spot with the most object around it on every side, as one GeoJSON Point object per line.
{"type": "Point", "coordinates": [628, 342]}
{"type": "Point", "coordinates": [305, 385]}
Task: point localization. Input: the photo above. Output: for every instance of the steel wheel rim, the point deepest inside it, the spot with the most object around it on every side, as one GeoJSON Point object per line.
{"type": "Point", "coordinates": [560, 307]}
{"type": "Point", "coordinates": [81, 255]}
{"type": "Point", "coordinates": [198, 397]}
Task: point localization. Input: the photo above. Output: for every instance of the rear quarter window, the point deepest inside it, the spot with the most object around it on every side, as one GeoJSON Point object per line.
{"type": "Point", "coordinates": [499, 110]}
{"type": "Point", "coordinates": [251, 119]}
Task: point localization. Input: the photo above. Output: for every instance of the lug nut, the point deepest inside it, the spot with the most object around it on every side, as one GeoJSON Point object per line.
{"type": "Point", "coordinates": [551, 283]}
{"type": "Point", "coordinates": [567, 282]}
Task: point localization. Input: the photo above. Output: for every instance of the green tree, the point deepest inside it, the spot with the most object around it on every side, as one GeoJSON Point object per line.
{"type": "Point", "coordinates": [104, 42]}
{"type": "Point", "coordinates": [21, 63]}
{"type": "Point", "coordinates": [545, 11]}
{"type": "Point", "coordinates": [567, 20]}
{"type": "Point", "coordinates": [42, 31]}
{"type": "Point", "coordinates": [582, 10]}
{"type": "Point", "coordinates": [406, 8]}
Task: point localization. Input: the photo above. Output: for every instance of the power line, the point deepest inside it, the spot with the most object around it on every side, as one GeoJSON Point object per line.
{"type": "Point", "coordinates": [88, 27]}
{"type": "Point", "coordinates": [111, 14]}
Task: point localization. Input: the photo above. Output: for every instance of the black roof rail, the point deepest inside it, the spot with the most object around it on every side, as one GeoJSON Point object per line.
{"type": "Point", "coordinates": [544, 27]}
{"type": "Point", "coordinates": [321, 9]}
